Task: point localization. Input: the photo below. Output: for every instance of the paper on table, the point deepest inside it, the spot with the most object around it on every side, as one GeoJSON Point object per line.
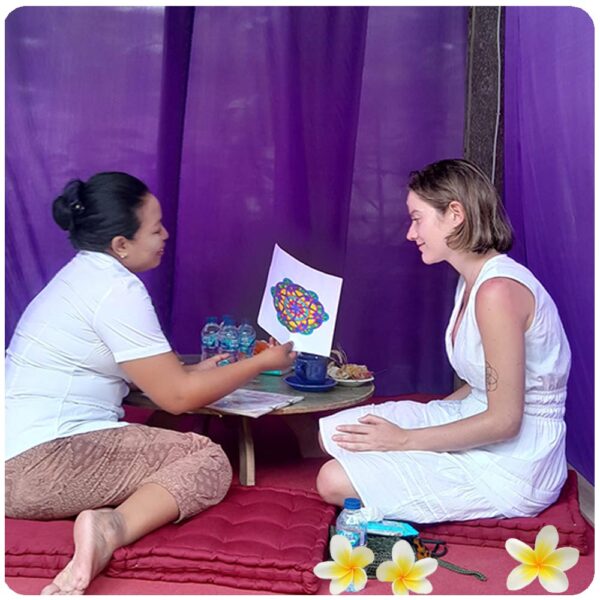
{"type": "Point", "coordinates": [252, 403]}
{"type": "Point", "coordinates": [300, 304]}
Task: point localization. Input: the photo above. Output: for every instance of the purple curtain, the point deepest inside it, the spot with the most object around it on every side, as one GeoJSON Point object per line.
{"type": "Point", "coordinates": [302, 131]}
{"type": "Point", "coordinates": [267, 154]}
{"type": "Point", "coordinates": [83, 94]}
{"type": "Point", "coordinates": [253, 126]}
{"type": "Point", "coordinates": [549, 184]}
{"type": "Point", "coordinates": [394, 309]}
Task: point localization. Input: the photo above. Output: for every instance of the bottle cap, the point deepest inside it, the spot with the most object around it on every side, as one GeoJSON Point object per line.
{"type": "Point", "coordinates": [228, 320]}
{"type": "Point", "coordinates": [352, 503]}
{"type": "Point", "coordinates": [212, 319]}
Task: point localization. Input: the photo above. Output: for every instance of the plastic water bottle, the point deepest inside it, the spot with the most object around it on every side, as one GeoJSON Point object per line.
{"type": "Point", "coordinates": [352, 525]}
{"type": "Point", "coordinates": [225, 318]}
{"type": "Point", "coordinates": [229, 340]}
{"type": "Point", "coordinates": [247, 339]}
{"type": "Point", "coordinates": [209, 337]}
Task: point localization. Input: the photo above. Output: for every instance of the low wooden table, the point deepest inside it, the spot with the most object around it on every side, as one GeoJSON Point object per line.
{"type": "Point", "coordinates": [333, 399]}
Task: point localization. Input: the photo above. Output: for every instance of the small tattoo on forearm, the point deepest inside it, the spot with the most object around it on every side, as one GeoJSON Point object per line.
{"type": "Point", "coordinates": [491, 378]}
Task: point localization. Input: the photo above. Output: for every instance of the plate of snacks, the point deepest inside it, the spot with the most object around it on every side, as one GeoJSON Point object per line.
{"type": "Point", "coordinates": [348, 374]}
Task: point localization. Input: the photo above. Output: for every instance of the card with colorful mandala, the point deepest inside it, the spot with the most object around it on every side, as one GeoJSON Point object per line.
{"type": "Point", "coordinates": [300, 304]}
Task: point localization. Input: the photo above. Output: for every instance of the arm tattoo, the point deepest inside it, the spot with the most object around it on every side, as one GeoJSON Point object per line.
{"type": "Point", "coordinates": [491, 378]}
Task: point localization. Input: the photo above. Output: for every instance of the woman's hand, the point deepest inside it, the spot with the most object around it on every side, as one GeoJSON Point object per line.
{"type": "Point", "coordinates": [277, 357]}
{"type": "Point", "coordinates": [373, 434]}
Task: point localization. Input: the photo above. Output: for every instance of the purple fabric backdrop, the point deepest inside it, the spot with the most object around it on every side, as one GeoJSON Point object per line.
{"type": "Point", "coordinates": [267, 157]}
{"type": "Point", "coordinates": [83, 94]}
{"type": "Point", "coordinates": [394, 311]}
{"type": "Point", "coordinates": [277, 150]}
{"type": "Point", "coordinates": [549, 184]}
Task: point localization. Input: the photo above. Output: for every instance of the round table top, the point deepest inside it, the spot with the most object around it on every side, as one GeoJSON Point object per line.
{"type": "Point", "coordinates": [339, 396]}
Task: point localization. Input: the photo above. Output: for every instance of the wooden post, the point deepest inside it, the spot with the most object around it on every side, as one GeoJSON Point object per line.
{"type": "Point", "coordinates": [246, 444]}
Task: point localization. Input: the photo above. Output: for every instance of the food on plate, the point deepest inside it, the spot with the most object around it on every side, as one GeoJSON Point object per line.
{"type": "Point", "coordinates": [349, 371]}
{"type": "Point", "coordinates": [339, 368]}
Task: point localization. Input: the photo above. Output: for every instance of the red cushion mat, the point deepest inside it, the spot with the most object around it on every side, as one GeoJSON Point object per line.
{"type": "Point", "coordinates": [263, 539]}
{"type": "Point", "coordinates": [258, 538]}
{"type": "Point", "coordinates": [564, 514]}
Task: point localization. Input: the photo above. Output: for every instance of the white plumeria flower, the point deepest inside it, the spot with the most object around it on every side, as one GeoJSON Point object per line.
{"type": "Point", "coordinates": [347, 566]}
{"type": "Point", "coordinates": [544, 561]}
{"type": "Point", "coordinates": [406, 574]}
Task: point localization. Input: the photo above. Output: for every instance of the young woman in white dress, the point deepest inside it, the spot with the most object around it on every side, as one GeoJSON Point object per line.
{"type": "Point", "coordinates": [496, 446]}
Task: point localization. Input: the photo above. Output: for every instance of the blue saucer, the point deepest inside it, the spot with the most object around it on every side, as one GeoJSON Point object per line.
{"type": "Point", "coordinates": [294, 382]}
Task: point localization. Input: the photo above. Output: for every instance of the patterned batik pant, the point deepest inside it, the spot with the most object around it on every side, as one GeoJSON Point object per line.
{"type": "Point", "coordinates": [61, 478]}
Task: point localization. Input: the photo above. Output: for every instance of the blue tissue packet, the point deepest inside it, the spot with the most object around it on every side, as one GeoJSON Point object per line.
{"type": "Point", "coordinates": [392, 528]}
{"type": "Point", "coordinates": [285, 371]}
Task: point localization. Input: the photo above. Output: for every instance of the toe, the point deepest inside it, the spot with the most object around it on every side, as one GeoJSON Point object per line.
{"type": "Point", "coordinates": [50, 589]}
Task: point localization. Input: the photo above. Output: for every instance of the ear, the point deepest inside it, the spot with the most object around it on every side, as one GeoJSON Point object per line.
{"type": "Point", "coordinates": [457, 212]}
{"type": "Point", "coordinates": [119, 245]}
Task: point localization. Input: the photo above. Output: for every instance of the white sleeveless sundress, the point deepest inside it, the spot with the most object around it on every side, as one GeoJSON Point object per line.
{"type": "Point", "coordinates": [518, 477]}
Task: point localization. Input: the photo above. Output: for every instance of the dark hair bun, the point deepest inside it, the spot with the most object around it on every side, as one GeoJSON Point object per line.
{"type": "Point", "coordinates": [93, 212]}
{"type": "Point", "coordinates": [68, 205]}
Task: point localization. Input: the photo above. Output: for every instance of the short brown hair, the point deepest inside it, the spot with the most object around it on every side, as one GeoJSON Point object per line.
{"type": "Point", "coordinates": [486, 225]}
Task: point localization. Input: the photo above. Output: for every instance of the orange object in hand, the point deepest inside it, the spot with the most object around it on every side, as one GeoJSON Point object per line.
{"type": "Point", "coordinates": [260, 346]}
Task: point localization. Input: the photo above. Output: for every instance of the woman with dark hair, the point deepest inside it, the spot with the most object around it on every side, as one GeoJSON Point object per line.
{"type": "Point", "coordinates": [496, 446]}
{"type": "Point", "coordinates": [87, 335]}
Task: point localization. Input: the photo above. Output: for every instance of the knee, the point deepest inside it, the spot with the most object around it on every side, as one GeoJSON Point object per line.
{"type": "Point", "coordinates": [223, 473]}
{"type": "Point", "coordinates": [330, 483]}
{"type": "Point", "coordinates": [210, 474]}
{"type": "Point", "coordinates": [199, 481]}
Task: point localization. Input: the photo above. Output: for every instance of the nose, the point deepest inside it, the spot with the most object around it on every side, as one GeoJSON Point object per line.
{"type": "Point", "coordinates": [165, 233]}
{"type": "Point", "coordinates": [411, 236]}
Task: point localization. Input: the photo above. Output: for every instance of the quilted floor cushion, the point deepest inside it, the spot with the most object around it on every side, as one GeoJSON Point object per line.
{"type": "Point", "coordinates": [266, 539]}
{"type": "Point", "coordinates": [564, 514]}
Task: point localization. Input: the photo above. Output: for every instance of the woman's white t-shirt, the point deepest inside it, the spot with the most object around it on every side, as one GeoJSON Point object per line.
{"type": "Point", "coordinates": [62, 372]}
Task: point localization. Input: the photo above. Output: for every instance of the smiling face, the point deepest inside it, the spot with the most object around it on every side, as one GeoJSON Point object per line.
{"type": "Point", "coordinates": [429, 229]}
{"type": "Point", "coordinates": [146, 249]}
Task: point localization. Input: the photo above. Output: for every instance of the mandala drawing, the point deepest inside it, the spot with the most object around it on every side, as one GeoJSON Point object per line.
{"type": "Point", "coordinates": [298, 310]}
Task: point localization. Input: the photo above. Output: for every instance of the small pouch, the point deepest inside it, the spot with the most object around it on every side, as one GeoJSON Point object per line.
{"type": "Point", "coordinates": [382, 549]}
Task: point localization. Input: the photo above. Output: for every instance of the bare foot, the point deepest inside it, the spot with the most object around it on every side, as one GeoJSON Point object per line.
{"type": "Point", "coordinates": [97, 534]}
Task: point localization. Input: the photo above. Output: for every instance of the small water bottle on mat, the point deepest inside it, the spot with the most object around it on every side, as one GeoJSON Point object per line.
{"type": "Point", "coordinates": [352, 525]}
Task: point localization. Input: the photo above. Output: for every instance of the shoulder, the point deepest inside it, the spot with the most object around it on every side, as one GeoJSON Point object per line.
{"type": "Point", "coordinates": [96, 270]}
{"type": "Point", "coordinates": [123, 293]}
{"type": "Point", "coordinates": [498, 290]}
{"type": "Point", "coordinates": [128, 282]}
{"type": "Point", "coordinates": [501, 298]}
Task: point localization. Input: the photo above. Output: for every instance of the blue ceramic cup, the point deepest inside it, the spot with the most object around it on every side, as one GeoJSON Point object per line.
{"type": "Point", "coordinates": [311, 368]}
